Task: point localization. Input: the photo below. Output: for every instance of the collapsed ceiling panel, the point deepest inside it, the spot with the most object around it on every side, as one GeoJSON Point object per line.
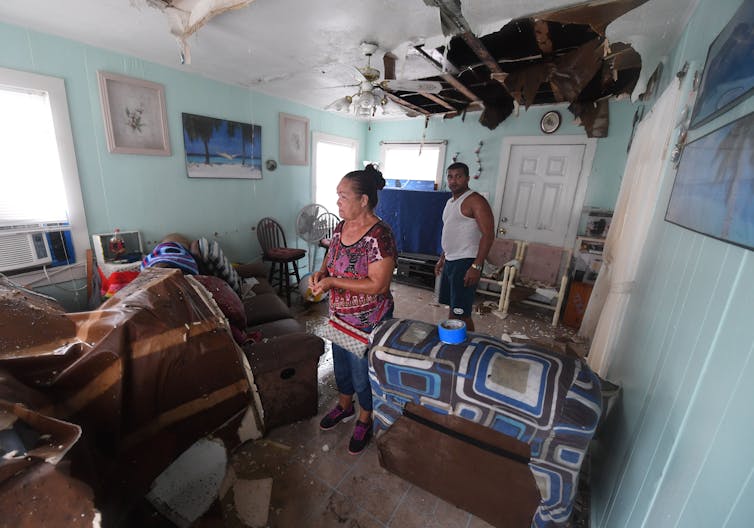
{"type": "Point", "coordinates": [551, 57]}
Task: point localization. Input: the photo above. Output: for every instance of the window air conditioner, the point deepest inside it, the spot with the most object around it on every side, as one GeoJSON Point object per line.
{"type": "Point", "coordinates": [20, 250]}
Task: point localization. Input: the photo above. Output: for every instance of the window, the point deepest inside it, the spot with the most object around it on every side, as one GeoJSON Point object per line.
{"type": "Point", "coordinates": [39, 183]}
{"type": "Point", "coordinates": [413, 165]}
{"type": "Point", "coordinates": [334, 156]}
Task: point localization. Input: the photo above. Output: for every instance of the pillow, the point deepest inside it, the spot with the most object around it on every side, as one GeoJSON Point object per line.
{"type": "Point", "coordinates": [216, 263]}
{"type": "Point", "coordinates": [229, 304]}
{"type": "Point", "coordinates": [172, 255]}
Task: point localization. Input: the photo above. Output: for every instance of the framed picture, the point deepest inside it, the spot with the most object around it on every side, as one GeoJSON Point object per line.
{"type": "Point", "coordinates": [713, 188]}
{"type": "Point", "coordinates": [294, 140]}
{"type": "Point", "coordinates": [134, 114]}
{"type": "Point", "coordinates": [219, 148]}
{"type": "Point", "coordinates": [728, 74]}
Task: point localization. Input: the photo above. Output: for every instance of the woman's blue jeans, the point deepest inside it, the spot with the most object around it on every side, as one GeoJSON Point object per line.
{"type": "Point", "coordinates": [352, 373]}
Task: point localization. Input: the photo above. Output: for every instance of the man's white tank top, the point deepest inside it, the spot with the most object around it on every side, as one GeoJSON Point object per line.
{"type": "Point", "coordinates": [460, 234]}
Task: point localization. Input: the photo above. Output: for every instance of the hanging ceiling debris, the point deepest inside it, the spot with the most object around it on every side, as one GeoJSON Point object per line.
{"type": "Point", "coordinates": [185, 17]}
{"type": "Point", "coordinates": [550, 57]}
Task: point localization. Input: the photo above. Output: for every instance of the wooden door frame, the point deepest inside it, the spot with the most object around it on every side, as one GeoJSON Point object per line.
{"type": "Point", "coordinates": [590, 147]}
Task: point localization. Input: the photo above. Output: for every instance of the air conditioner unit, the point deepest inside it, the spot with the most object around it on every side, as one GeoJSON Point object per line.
{"type": "Point", "coordinates": [20, 250]}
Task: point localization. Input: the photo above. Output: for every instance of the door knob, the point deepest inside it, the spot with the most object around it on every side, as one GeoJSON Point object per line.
{"type": "Point", "coordinates": [504, 219]}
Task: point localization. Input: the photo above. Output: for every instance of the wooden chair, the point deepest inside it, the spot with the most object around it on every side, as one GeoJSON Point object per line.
{"type": "Point", "coordinates": [544, 270]}
{"type": "Point", "coordinates": [276, 251]}
{"type": "Point", "coordinates": [326, 223]}
{"type": "Point", "coordinates": [495, 275]}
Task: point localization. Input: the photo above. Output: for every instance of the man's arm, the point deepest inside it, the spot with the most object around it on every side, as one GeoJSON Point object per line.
{"type": "Point", "coordinates": [481, 212]}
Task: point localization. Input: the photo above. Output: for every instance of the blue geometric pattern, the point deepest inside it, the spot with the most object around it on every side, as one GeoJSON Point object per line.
{"type": "Point", "coordinates": [550, 401]}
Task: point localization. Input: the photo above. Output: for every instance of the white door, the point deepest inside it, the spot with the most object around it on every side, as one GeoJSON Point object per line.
{"type": "Point", "coordinates": [542, 189]}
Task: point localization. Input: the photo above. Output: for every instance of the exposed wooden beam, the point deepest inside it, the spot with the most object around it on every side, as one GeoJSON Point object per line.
{"type": "Point", "coordinates": [437, 59]}
{"type": "Point", "coordinates": [449, 77]}
{"type": "Point", "coordinates": [473, 107]}
{"type": "Point", "coordinates": [481, 51]}
{"type": "Point", "coordinates": [406, 104]}
{"type": "Point", "coordinates": [438, 100]}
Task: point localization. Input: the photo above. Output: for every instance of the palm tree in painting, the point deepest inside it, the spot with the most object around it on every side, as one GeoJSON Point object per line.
{"type": "Point", "coordinates": [201, 128]}
{"type": "Point", "coordinates": [734, 158]}
{"type": "Point", "coordinates": [247, 135]}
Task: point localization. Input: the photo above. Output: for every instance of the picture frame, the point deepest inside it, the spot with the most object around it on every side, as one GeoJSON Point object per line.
{"type": "Point", "coordinates": [728, 76]}
{"type": "Point", "coordinates": [221, 148]}
{"type": "Point", "coordinates": [135, 115]}
{"type": "Point", "coordinates": [714, 184]}
{"type": "Point", "coordinates": [294, 140]}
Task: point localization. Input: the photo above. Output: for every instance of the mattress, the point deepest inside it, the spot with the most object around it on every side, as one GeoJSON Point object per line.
{"type": "Point", "coordinates": [550, 401]}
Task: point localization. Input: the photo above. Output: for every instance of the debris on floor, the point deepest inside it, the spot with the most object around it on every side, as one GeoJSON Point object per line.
{"type": "Point", "coordinates": [252, 501]}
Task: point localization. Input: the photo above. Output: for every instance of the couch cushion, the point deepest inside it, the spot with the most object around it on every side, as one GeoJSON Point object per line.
{"type": "Point", "coordinates": [229, 304]}
{"type": "Point", "coordinates": [277, 328]}
{"type": "Point", "coordinates": [262, 287]}
{"type": "Point", "coordinates": [265, 307]}
{"type": "Point", "coordinates": [252, 269]}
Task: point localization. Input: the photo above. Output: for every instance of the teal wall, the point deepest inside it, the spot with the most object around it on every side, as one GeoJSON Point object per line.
{"type": "Point", "coordinates": [679, 451]}
{"type": "Point", "coordinates": [152, 194]}
{"type": "Point", "coordinates": [464, 135]}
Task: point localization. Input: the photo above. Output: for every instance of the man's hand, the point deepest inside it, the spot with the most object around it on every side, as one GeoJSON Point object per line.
{"type": "Point", "coordinates": [438, 266]}
{"type": "Point", "coordinates": [471, 277]}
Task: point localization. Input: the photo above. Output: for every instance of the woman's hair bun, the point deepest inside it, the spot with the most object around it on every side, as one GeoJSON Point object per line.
{"type": "Point", "coordinates": [372, 171]}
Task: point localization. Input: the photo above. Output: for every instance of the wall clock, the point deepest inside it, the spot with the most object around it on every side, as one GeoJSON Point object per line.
{"type": "Point", "coordinates": [550, 122]}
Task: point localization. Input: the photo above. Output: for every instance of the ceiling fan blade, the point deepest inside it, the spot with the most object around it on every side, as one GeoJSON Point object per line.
{"type": "Point", "coordinates": [412, 86]}
{"type": "Point", "coordinates": [388, 63]}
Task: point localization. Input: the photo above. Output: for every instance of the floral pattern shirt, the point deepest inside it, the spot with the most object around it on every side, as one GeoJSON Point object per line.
{"type": "Point", "coordinates": [362, 310]}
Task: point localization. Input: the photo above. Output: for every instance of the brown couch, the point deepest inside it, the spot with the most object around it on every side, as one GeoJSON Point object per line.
{"type": "Point", "coordinates": [284, 363]}
{"type": "Point", "coordinates": [143, 377]}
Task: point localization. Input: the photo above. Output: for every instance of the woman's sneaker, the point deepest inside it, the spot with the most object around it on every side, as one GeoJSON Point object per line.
{"type": "Point", "coordinates": [361, 435]}
{"type": "Point", "coordinates": [335, 416]}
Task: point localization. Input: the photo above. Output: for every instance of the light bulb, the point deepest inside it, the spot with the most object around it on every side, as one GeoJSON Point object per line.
{"type": "Point", "coordinates": [366, 100]}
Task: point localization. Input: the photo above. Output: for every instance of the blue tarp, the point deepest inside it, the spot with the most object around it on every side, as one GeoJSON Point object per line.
{"type": "Point", "coordinates": [415, 217]}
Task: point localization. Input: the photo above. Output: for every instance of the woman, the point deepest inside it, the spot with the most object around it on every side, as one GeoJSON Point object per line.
{"type": "Point", "coordinates": [357, 271]}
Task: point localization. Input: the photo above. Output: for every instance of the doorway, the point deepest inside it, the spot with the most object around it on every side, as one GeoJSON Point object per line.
{"type": "Point", "coordinates": [333, 157]}
{"type": "Point", "coordinates": [541, 188]}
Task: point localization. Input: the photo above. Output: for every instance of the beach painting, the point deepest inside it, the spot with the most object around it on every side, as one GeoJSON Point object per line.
{"type": "Point", "coordinates": [218, 148]}
{"type": "Point", "coordinates": [713, 189]}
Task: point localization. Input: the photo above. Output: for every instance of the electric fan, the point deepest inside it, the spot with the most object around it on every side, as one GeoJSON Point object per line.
{"type": "Point", "coordinates": [309, 230]}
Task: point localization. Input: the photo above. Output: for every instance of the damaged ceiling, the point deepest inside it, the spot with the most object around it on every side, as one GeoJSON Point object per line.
{"type": "Point", "coordinates": [489, 56]}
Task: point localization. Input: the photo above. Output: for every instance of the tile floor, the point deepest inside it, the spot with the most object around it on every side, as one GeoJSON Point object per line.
{"type": "Point", "coordinates": [316, 483]}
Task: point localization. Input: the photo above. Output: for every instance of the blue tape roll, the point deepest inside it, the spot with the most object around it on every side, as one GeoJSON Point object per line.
{"type": "Point", "coordinates": [452, 331]}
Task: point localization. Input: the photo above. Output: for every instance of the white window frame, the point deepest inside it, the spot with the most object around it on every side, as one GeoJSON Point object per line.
{"type": "Point", "coordinates": [336, 140]}
{"type": "Point", "coordinates": [414, 145]}
{"type": "Point", "coordinates": [55, 89]}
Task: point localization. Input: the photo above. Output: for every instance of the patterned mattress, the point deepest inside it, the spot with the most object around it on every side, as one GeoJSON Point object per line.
{"type": "Point", "coordinates": [550, 401]}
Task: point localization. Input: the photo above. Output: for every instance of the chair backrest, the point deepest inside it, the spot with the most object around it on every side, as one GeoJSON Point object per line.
{"type": "Point", "coordinates": [270, 234]}
{"type": "Point", "coordinates": [543, 263]}
{"type": "Point", "coordinates": [503, 250]}
{"type": "Point", "coordinates": [326, 223]}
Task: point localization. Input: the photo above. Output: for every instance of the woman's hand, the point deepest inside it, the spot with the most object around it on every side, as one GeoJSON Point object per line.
{"type": "Point", "coordinates": [319, 283]}
{"type": "Point", "coordinates": [315, 277]}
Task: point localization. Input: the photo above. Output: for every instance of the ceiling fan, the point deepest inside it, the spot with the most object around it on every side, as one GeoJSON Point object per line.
{"type": "Point", "coordinates": [372, 92]}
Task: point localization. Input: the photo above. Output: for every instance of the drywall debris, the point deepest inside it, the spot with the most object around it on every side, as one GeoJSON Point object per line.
{"type": "Point", "coordinates": [252, 501]}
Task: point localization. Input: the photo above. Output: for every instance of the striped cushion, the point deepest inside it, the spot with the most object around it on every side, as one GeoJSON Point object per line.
{"type": "Point", "coordinates": [216, 263]}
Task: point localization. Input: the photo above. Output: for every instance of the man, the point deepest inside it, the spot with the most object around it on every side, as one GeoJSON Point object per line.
{"type": "Point", "coordinates": [467, 234]}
